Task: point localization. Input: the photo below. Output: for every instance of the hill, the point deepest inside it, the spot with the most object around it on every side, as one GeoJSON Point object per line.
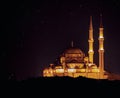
{"type": "Point", "coordinates": [60, 86]}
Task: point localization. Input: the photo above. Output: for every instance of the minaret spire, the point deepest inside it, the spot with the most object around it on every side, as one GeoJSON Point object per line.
{"type": "Point", "coordinates": [101, 48]}
{"type": "Point", "coordinates": [101, 24]}
{"type": "Point", "coordinates": [90, 41]}
{"type": "Point", "coordinates": [91, 26]}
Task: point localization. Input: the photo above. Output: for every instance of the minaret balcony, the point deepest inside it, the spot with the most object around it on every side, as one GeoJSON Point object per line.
{"type": "Point", "coordinates": [90, 40]}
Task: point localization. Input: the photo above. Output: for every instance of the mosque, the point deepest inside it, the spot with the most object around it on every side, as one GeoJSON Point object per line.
{"type": "Point", "coordinates": [74, 62]}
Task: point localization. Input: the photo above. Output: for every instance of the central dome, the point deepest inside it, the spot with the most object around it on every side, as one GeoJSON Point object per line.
{"type": "Point", "coordinates": [73, 55]}
{"type": "Point", "coordinates": [73, 51]}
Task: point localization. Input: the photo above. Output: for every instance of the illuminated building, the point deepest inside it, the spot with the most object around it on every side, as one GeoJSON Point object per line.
{"type": "Point", "coordinates": [74, 63]}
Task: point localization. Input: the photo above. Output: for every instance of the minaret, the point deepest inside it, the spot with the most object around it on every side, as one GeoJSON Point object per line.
{"type": "Point", "coordinates": [91, 40]}
{"type": "Point", "coordinates": [101, 48]}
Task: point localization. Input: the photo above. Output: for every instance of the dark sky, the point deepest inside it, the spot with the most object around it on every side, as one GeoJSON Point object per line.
{"type": "Point", "coordinates": [34, 34]}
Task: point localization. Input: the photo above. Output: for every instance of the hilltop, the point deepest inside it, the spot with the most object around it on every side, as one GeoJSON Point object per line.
{"type": "Point", "coordinates": [60, 85]}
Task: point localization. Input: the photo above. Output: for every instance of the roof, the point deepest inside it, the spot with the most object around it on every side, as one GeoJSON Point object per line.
{"type": "Point", "coordinates": [73, 51]}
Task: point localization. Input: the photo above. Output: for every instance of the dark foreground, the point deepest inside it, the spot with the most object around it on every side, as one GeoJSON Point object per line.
{"type": "Point", "coordinates": [60, 87]}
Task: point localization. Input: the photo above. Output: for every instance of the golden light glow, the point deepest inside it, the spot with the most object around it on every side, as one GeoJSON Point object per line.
{"type": "Point", "coordinates": [80, 70]}
{"type": "Point", "coordinates": [90, 51]}
{"type": "Point", "coordinates": [95, 70]}
{"type": "Point", "coordinates": [101, 36]}
{"type": "Point", "coordinates": [59, 70]}
{"type": "Point", "coordinates": [71, 70]}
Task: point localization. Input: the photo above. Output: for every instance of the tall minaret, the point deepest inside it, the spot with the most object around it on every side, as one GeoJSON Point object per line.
{"type": "Point", "coordinates": [91, 40]}
{"type": "Point", "coordinates": [101, 48]}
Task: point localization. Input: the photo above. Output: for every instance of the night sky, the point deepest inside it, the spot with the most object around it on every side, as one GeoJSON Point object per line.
{"type": "Point", "coordinates": [34, 34]}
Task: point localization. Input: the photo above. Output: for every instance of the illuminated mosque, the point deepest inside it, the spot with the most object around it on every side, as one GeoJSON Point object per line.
{"type": "Point", "coordinates": [74, 63]}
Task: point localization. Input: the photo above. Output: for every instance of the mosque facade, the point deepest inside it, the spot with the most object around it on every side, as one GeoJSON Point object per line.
{"type": "Point", "coordinates": [74, 62]}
